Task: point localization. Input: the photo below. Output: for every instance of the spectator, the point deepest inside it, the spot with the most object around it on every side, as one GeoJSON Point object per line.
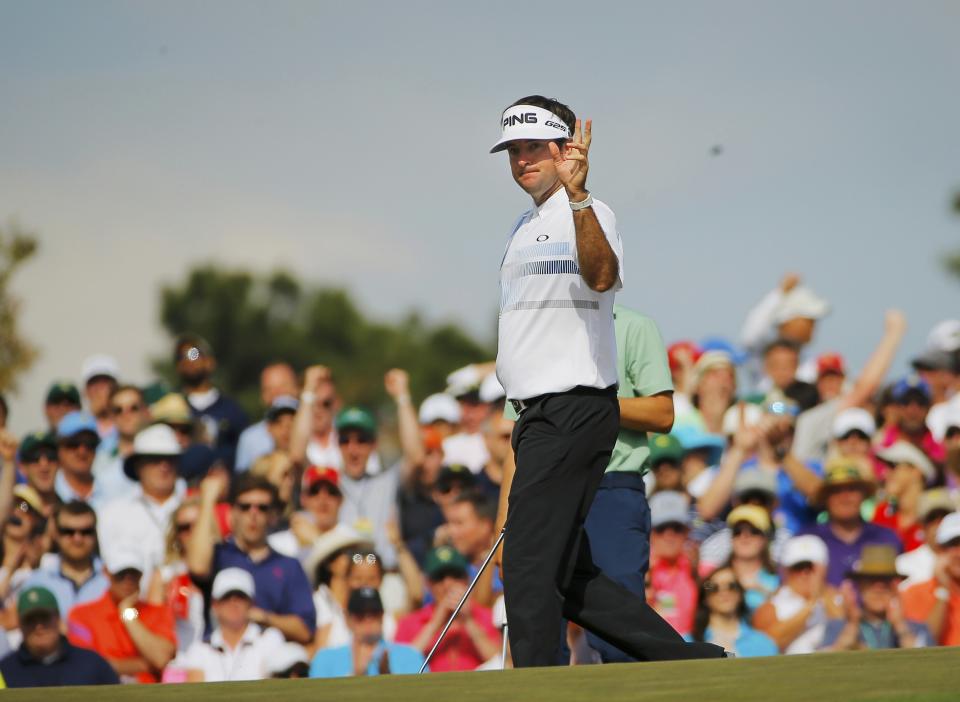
{"type": "Point", "coordinates": [135, 637]}
{"type": "Point", "coordinates": [909, 471]}
{"type": "Point", "coordinates": [130, 415]}
{"type": "Point", "coordinates": [198, 457]}
{"type": "Point", "coordinates": [289, 661]}
{"type": "Point", "coordinates": [46, 658]}
{"type": "Point", "coordinates": [682, 356]}
{"type": "Point", "coordinates": [938, 369]}
{"type": "Point", "coordinates": [222, 417]}
{"type": "Point", "coordinates": [936, 602]}
{"type": "Point", "coordinates": [141, 521]}
{"type": "Point", "coordinates": [38, 463]}
{"type": "Point", "coordinates": [417, 500]}
{"type": "Point", "coordinates": [314, 439]}
{"type": "Point", "coordinates": [781, 361]}
{"type": "Point", "coordinates": [672, 591]}
{"type": "Point", "coordinates": [701, 454]}
{"type": "Point", "coordinates": [278, 469]}
{"type": "Point", "coordinates": [179, 591]}
{"type": "Point", "coordinates": [369, 502]}
{"type": "Point", "coordinates": [276, 380]}
{"type": "Point", "coordinates": [852, 432]}
{"type": "Point", "coordinates": [831, 375]}
{"type": "Point", "coordinates": [74, 574]}
{"type": "Point", "coordinates": [466, 446]}
{"type": "Point", "coordinates": [62, 399]}
{"type": "Point", "coordinates": [918, 564]}
{"type": "Point", "coordinates": [23, 545]}
{"type": "Point", "coordinates": [368, 653]}
{"type": "Point", "coordinates": [750, 558]}
{"type": "Point", "coordinates": [796, 616]}
{"type": "Point", "coordinates": [282, 596]}
{"type": "Point", "coordinates": [471, 519]}
{"type": "Point", "coordinates": [497, 433]}
{"type": "Point", "coordinates": [238, 649]}
{"type": "Point", "coordinates": [279, 419]}
{"type": "Point", "coordinates": [320, 498]}
{"type": "Point", "coordinates": [328, 564]}
{"type": "Point", "coordinates": [77, 442]}
{"type": "Point", "coordinates": [99, 377]}
{"type": "Point", "coordinates": [452, 482]}
{"type": "Point", "coordinates": [873, 613]}
{"type": "Point", "coordinates": [472, 639]}
{"type": "Point", "coordinates": [845, 533]}
{"type": "Point", "coordinates": [913, 399]}
{"type": "Point", "coordinates": [721, 617]}
{"type": "Point", "coordinates": [666, 455]}
{"type": "Point", "coordinates": [714, 391]}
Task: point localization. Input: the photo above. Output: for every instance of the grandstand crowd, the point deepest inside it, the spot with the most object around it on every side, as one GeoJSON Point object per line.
{"type": "Point", "coordinates": [154, 535]}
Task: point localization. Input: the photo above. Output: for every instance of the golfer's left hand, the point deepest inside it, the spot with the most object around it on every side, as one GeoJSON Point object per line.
{"type": "Point", "coordinates": [571, 163]}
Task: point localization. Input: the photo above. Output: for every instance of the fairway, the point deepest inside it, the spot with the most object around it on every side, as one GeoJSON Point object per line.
{"type": "Point", "coordinates": [925, 674]}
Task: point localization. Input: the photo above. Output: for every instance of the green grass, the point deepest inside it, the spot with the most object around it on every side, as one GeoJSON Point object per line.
{"type": "Point", "coordinates": [880, 676]}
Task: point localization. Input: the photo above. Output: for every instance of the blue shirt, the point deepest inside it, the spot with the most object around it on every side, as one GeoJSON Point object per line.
{"type": "Point", "coordinates": [280, 583]}
{"type": "Point", "coordinates": [793, 509]}
{"type": "Point", "coordinates": [73, 666]}
{"type": "Point", "coordinates": [338, 662]}
{"type": "Point", "coordinates": [97, 499]}
{"type": "Point", "coordinates": [64, 589]}
{"type": "Point", "coordinates": [255, 441]}
{"type": "Point", "coordinates": [750, 643]}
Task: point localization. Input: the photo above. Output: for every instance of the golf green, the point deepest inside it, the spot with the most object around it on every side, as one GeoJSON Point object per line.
{"type": "Point", "coordinates": [878, 676]}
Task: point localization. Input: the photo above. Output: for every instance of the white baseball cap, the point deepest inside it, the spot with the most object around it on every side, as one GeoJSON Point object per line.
{"type": "Point", "coordinates": [853, 418]}
{"type": "Point", "coordinates": [804, 549]}
{"type": "Point", "coordinates": [440, 407]}
{"type": "Point", "coordinates": [233, 580]}
{"type": "Point", "coordinates": [491, 390]}
{"type": "Point", "coordinates": [669, 507]}
{"type": "Point", "coordinates": [99, 364]}
{"type": "Point", "coordinates": [801, 302]}
{"type": "Point", "coordinates": [905, 452]}
{"type": "Point", "coordinates": [123, 558]}
{"type": "Point", "coordinates": [945, 336]}
{"type": "Point", "coordinates": [529, 122]}
{"type": "Point", "coordinates": [949, 528]}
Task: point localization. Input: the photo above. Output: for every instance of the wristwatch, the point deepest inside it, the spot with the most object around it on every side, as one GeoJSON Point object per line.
{"type": "Point", "coordinates": [586, 202]}
{"type": "Point", "coordinates": [129, 614]}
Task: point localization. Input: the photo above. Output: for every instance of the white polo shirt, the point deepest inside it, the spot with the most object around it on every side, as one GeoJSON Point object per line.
{"type": "Point", "coordinates": [555, 332]}
{"type": "Point", "coordinates": [248, 661]}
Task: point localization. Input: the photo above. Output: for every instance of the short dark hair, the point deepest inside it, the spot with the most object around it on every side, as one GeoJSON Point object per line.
{"type": "Point", "coordinates": [484, 507]}
{"type": "Point", "coordinates": [552, 104]}
{"type": "Point", "coordinates": [76, 508]}
{"type": "Point", "coordinates": [248, 483]}
{"type": "Point", "coordinates": [781, 343]}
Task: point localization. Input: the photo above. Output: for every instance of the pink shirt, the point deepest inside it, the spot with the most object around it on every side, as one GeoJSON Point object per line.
{"type": "Point", "coordinates": [457, 651]}
{"type": "Point", "coordinates": [930, 446]}
{"type": "Point", "coordinates": [673, 593]}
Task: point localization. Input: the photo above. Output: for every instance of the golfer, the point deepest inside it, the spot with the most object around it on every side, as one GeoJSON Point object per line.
{"type": "Point", "coordinates": [557, 363]}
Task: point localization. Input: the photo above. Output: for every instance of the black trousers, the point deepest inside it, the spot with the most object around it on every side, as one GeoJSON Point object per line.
{"type": "Point", "coordinates": [562, 446]}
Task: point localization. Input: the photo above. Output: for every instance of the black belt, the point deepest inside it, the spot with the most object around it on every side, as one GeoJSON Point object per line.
{"type": "Point", "coordinates": [521, 406]}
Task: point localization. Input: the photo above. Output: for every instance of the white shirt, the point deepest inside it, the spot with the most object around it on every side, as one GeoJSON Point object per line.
{"type": "Point", "coordinates": [329, 456]}
{"type": "Point", "coordinates": [140, 524]}
{"type": "Point", "coordinates": [468, 450]}
{"type": "Point", "coordinates": [787, 603]}
{"type": "Point", "coordinates": [555, 332]}
{"type": "Point", "coordinates": [248, 661]}
{"type": "Point", "coordinates": [918, 565]}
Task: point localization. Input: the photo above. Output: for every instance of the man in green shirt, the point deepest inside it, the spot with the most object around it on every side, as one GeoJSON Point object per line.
{"type": "Point", "coordinates": [618, 524]}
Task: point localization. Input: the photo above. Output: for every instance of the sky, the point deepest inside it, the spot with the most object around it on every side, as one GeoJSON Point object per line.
{"type": "Point", "coordinates": [348, 142]}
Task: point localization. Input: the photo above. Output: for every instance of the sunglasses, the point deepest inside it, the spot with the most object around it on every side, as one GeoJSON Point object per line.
{"type": "Point", "coordinates": [672, 526]}
{"type": "Point", "coordinates": [801, 567]}
{"type": "Point", "coordinates": [857, 433]}
{"type": "Point", "coordinates": [712, 588]}
{"type": "Point", "coordinates": [37, 455]}
{"type": "Point", "coordinates": [322, 486]}
{"type": "Point", "coordinates": [358, 437]}
{"type": "Point", "coordinates": [89, 442]}
{"type": "Point", "coordinates": [68, 532]}
{"type": "Point", "coordinates": [184, 527]}
{"type": "Point", "coordinates": [131, 409]}
{"type": "Point", "coordinates": [262, 507]}
{"type": "Point", "coordinates": [326, 404]}
{"type": "Point", "coordinates": [742, 529]}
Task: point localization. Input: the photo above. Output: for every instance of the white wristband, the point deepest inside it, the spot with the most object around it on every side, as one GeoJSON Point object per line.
{"type": "Point", "coordinates": [942, 594]}
{"type": "Point", "coordinates": [575, 206]}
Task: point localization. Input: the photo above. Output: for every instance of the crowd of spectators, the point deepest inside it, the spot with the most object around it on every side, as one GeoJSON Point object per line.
{"type": "Point", "coordinates": [153, 536]}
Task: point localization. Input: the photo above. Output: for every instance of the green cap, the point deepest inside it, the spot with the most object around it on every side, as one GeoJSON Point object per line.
{"type": "Point", "coordinates": [444, 559]}
{"type": "Point", "coordinates": [665, 447]}
{"type": "Point", "coordinates": [356, 418]}
{"type": "Point", "coordinates": [35, 599]}
{"type": "Point", "coordinates": [63, 391]}
{"type": "Point", "coordinates": [32, 441]}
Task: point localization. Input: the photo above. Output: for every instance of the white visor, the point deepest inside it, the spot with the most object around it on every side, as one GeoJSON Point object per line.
{"type": "Point", "coordinates": [529, 122]}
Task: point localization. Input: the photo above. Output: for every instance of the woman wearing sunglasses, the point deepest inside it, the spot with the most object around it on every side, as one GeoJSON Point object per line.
{"type": "Point", "coordinates": [750, 554]}
{"type": "Point", "coordinates": [721, 617]}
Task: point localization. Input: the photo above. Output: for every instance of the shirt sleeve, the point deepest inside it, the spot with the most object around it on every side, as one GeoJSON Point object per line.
{"type": "Point", "coordinates": [650, 358]}
{"type": "Point", "coordinates": [758, 326]}
{"type": "Point", "coordinates": [300, 598]}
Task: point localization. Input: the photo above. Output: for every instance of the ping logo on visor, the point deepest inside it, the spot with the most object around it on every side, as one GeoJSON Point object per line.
{"type": "Point", "coordinates": [529, 122]}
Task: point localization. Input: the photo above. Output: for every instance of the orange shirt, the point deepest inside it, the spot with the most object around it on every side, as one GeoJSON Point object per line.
{"type": "Point", "coordinates": [97, 625]}
{"type": "Point", "coordinates": [918, 600]}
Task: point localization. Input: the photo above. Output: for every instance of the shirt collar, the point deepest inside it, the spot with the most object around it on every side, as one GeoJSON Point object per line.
{"type": "Point", "coordinates": [554, 202]}
{"type": "Point", "coordinates": [250, 636]}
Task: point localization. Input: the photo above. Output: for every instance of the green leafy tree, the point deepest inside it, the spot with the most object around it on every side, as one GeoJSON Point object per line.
{"type": "Point", "coordinates": [17, 354]}
{"type": "Point", "coordinates": [251, 320]}
{"type": "Point", "coordinates": [952, 260]}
